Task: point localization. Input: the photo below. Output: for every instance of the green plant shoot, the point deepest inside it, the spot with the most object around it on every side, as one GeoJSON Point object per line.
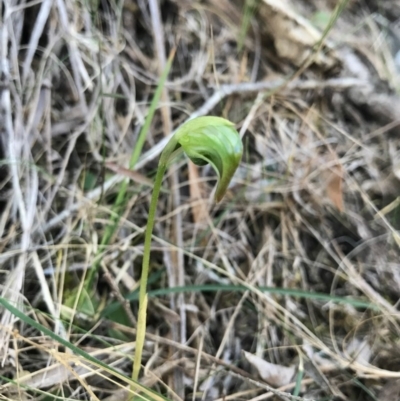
{"type": "Point", "coordinates": [205, 140]}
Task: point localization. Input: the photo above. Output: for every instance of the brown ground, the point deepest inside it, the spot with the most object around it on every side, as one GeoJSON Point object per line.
{"type": "Point", "coordinates": [313, 208]}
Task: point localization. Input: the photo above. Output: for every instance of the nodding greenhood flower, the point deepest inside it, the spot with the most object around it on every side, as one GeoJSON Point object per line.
{"type": "Point", "coordinates": [205, 140]}
{"type": "Point", "coordinates": [212, 140]}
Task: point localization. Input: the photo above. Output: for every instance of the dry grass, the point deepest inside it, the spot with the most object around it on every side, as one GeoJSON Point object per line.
{"type": "Point", "coordinates": [314, 206]}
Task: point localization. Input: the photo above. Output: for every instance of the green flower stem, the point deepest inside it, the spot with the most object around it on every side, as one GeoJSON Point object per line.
{"type": "Point", "coordinates": [141, 328]}
{"type": "Point", "coordinates": [205, 140]}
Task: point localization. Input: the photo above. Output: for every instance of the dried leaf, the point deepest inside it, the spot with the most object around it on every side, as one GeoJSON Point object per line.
{"type": "Point", "coordinates": [133, 175]}
{"type": "Point", "coordinates": [334, 188]}
{"type": "Point", "coordinates": [275, 375]}
{"type": "Point", "coordinates": [294, 36]}
{"type": "Point", "coordinates": [199, 207]}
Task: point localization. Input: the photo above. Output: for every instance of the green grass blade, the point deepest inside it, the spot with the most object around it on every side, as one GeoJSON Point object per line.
{"type": "Point", "coordinates": [249, 10]}
{"type": "Point", "coordinates": [299, 377]}
{"type": "Point", "coordinates": [120, 201]}
{"type": "Point", "coordinates": [271, 290]}
{"type": "Point", "coordinates": [149, 118]}
{"type": "Point", "coordinates": [26, 319]}
{"type": "Point", "coordinates": [133, 296]}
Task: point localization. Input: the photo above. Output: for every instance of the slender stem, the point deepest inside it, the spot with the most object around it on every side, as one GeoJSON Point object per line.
{"type": "Point", "coordinates": [141, 328]}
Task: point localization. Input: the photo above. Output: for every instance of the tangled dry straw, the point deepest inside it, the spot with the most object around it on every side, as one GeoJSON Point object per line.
{"type": "Point", "coordinates": [314, 207]}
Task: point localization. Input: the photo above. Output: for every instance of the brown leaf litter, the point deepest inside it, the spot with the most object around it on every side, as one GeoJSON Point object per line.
{"type": "Point", "coordinates": [313, 208]}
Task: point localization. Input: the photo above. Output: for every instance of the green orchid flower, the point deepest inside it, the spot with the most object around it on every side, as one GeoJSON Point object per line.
{"type": "Point", "coordinates": [205, 140]}
{"type": "Point", "coordinates": [215, 141]}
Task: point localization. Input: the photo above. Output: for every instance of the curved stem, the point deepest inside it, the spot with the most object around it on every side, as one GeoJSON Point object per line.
{"type": "Point", "coordinates": [141, 327]}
